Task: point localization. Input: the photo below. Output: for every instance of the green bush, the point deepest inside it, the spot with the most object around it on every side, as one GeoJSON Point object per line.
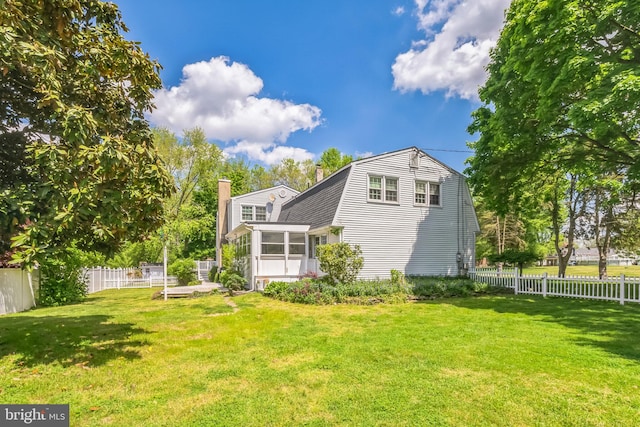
{"type": "Point", "coordinates": [61, 280]}
{"type": "Point", "coordinates": [446, 287]}
{"type": "Point", "coordinates": [184, 270]}
{"type": "Point", "coordinates": [340, 262]}
{"type": "Point", "coordinates": [276, 289]}
{"type": "Point", "coordinates": [232, 280]}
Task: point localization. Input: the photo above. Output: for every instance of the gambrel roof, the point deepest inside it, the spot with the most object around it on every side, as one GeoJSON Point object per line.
{"type": "Point", "coordinates": [317, 206]}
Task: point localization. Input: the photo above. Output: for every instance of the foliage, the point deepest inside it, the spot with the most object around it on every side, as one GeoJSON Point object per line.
{"type": "Point", "coordinates": [61, 280]}
{"type": "Point", "coordinates": [184, 270]}
{"type": "Point", "coordinates": [447, 287]}
{"type": "Point", "coordinates": [276, 289]}
{"type": "Point", "coordinates": [332, 159]}
{"type": "Point", "coordinates": [560, 109]}
{"type": "Point", "coordinates": [77, 91]}
{"type": "Point", "coordinates": [397, 277]}
{"type": "Point", "coordinates": [367, 292]}
{"type": "Point", "coordinates": [133, 254]}
{"type": "Point", "coordinates": [515, 257]}
{"type": "Point", "coordinates": [232, 280]}
{"type": "Point", "coordinates": [340, 261]}
{"type": "Point", "coordinates": [228, 256]}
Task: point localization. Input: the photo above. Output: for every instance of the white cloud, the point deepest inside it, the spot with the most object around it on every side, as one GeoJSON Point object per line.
{"type": "Point", "coordinates": [399, 11]}
{"type": "Point", "coordinates": [221, 97]}
{"type": "Point", "coordinates": [460, 35]}
{"type": "Point", "coordinates": [268, 153]}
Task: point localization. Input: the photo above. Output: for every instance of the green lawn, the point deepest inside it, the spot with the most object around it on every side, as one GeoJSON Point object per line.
{"type": "Point", "coordinates": [588, 270]}
{"type": "Point", "coordinates": [124, 359]}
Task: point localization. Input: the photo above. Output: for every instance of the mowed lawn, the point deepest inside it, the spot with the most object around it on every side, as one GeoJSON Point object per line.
{"type": "Point", "coordinates": [587, 270]}
{"type": "Point", "coordinates": [121, 359]}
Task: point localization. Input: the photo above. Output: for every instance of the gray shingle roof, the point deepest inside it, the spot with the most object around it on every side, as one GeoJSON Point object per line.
{"type": "Point", "coordinates": [317, 206]}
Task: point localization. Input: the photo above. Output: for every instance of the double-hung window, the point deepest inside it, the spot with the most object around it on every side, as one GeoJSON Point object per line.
{"type": "Point", "coordinates": [254, 213]}
{"type": "Point", "coordinates": [383, 189]}
{"type": "Point", "coordinates": [247, 213]}
{"type": "Point", "coordinates": [423, 189]}
{"type": "Point", "coordinates": [434, 194]}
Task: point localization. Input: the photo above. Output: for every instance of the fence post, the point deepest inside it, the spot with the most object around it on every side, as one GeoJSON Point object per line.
{"type": "Point", "coordinates": [516, 281]}
{"type": "Point", "coordinates": [544, 284]}
{"type": "Point", "coordinates": [622, 289]}
{"type": "Point", "coordinates": [119, 278]}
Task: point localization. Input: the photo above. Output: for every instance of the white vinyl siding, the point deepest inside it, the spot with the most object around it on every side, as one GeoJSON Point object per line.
{"type": "Point", "coordinates": [408, 236]}
{"type": "Point", "coordinates": [383, 189]}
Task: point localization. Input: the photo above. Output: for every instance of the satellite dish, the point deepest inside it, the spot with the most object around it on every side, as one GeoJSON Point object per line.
{"type": "Point", "coordinates": [272, 197]}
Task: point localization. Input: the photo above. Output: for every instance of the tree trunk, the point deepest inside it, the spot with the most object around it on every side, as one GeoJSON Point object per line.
{"type": "Point", "coordinates": [602, 265]}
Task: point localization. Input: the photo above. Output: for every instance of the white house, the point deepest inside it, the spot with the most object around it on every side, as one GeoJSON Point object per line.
{"type": "Point", "coordinates": [406, 210]}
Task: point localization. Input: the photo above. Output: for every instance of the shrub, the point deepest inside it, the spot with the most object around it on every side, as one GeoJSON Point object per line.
{"type": "Point", "coordinates": [183, 269]}
{"type": "Point", "coordinates": [446, 287]}
{"type": "Point", "coordinates": [397, 277]}
{"type": "Point", "coordinates": [61, 280]}
{"type": "Point", "coordinates": [340, 261]}
{"type": "Point", "coordinates": [276, 289]}
{"type": "Point", "coordinates": [232, 281]}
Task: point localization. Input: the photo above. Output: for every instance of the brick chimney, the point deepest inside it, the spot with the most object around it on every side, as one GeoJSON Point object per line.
{"type": "Point", "coordinates": [222, 220]}
{"type": "Point", "coordinates": [319, 173]}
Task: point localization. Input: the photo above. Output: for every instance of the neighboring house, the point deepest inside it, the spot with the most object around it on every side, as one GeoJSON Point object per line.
{"type": "Point", "coordinates": [406, 210]}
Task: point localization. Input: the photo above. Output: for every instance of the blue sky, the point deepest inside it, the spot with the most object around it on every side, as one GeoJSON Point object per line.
{"type": "Point", "coordinates": [274, 79]}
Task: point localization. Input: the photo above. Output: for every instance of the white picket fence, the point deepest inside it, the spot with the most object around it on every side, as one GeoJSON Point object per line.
{"type": "Point", "coordinates": [621, 289]}
{"type": "Point", "coordinates": [101, 278]}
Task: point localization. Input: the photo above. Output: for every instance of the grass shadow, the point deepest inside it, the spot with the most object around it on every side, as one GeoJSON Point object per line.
{"type": "Point", "coordinates": [612, 327]}
{"type": "Point", "coordinates": [88, 340]}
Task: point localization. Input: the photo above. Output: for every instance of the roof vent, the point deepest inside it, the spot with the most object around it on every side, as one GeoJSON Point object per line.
{"type": "Point", "coordinates": [414, 161]}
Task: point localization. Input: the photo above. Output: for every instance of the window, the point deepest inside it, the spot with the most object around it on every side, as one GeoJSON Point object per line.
{"type": "Point", "coordinates": [243, 245]}
{"type": "Point", "coordinates": [254, 213]}
{"type": "Point", "coordinates": [261, 213]}
{"type": "Point", "coordinates": [296, 243]}
{"type": "Point", "coordinates": [272, 243]}
{"type": "Point", "coordinates": [375, 188]}
{"type": "Point", "coordinates": [383, 189]}
{"type": "Point", "coordinates": [434, 194]}
{"type": "Point", "coordinates": [247, 213]}
{"type": "Point", "coordinates": [391, 190]}
{"type": "Point", "coordinates": [422, 188]}
{"type": "Point", "coordinates": [420, 193]}
{"type": "Point", "coordinates": [314, 242]}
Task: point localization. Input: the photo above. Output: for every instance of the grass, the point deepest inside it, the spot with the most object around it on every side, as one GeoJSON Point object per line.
{"type": "Point", "coordinates": [121, 358]}
{"type": "Point", "coordinates": [588, 270]}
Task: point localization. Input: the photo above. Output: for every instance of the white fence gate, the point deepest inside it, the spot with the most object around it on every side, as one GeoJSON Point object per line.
{"type": "Point", "coordinates": [203, 268]}
{"type": "Point", "coordinates": [101, 278]}
{"type": "Point", "coordinates": [621, 289]}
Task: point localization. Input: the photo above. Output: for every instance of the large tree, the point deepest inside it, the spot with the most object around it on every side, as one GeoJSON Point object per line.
{"type": "Point", "coordinates": [560, 103]}
{"type": "Point", "coordinates": [73, 93]}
